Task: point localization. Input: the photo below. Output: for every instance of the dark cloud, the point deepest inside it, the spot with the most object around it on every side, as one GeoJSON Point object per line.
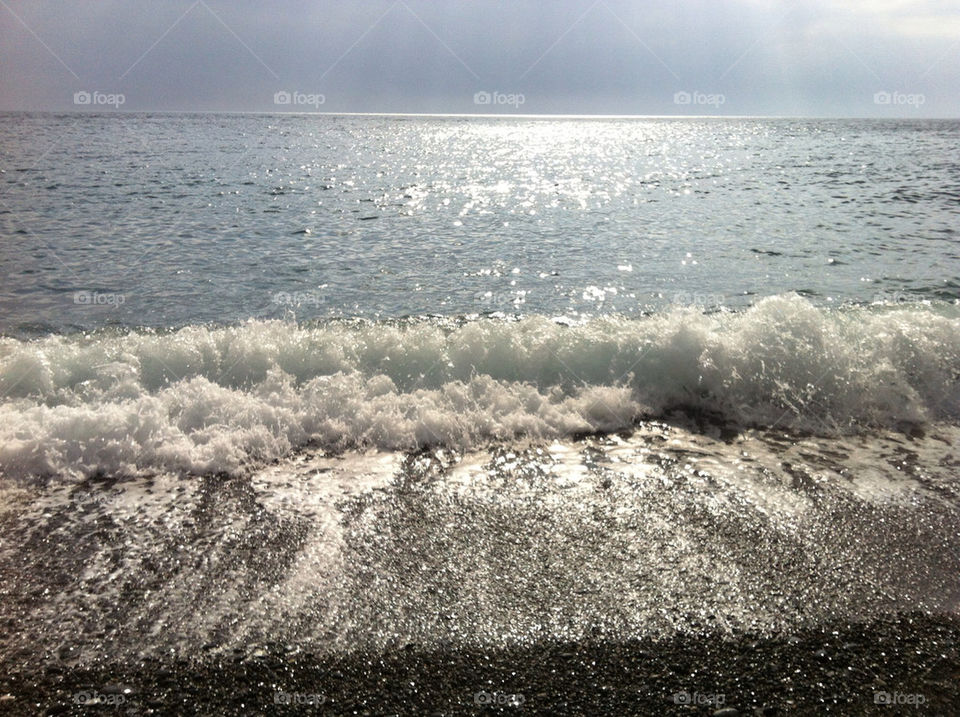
{"type": "Point", "coordinates": [612, 56]}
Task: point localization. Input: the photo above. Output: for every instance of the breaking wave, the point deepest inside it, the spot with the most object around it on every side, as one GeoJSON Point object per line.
{"type": "Point", "coordinates": [202, 399]}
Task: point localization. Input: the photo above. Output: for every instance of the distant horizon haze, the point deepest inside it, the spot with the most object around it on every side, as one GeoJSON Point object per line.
{"type": "Point", "coordinates": [748, 58]}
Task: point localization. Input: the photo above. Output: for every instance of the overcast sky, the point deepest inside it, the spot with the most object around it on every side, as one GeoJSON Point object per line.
{"type": "Point", "coordinates": [741, 57]}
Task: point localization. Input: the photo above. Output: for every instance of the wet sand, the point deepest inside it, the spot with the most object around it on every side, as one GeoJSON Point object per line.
{"type": "Point", "coordinates": [839, 668]}
{"type": "Point", "coordinates": [675, 570]}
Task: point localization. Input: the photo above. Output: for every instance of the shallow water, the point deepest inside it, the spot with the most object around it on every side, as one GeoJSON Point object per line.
{"type": "Point", "coordinates": [666, 529]}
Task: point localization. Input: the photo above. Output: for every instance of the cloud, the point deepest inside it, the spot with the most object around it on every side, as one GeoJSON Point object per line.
{"type": "Point", "coordinates": [906, 19]}
{"type": "Point", "coordinates": [609, 56]}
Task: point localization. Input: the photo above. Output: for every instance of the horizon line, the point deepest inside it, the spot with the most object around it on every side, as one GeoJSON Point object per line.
{"type": "Point", "coordinates": [470, 115]}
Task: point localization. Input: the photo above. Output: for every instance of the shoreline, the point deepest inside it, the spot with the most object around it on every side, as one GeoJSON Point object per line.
{"type": "Point", "coordinates": [596, 576]}
{"type": "Point", "coordinates": [909, 660]}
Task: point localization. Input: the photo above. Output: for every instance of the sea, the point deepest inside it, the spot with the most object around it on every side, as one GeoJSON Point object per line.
{"type": "Point", "coordinates": [201, 292]}
{"type": "Point", "coordinates": [737, 319]}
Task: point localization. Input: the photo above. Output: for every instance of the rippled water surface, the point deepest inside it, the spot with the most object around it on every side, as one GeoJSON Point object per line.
{"type": "Point", "coordinates": [170, 220]}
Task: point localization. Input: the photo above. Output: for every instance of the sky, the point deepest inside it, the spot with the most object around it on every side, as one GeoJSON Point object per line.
{"type": "Point", "coordinates": [828, 58]}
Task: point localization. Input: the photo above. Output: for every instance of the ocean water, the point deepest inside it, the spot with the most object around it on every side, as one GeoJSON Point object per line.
{"type": "Point", "coordinates": [201, 218]}
{"type": "Point", "coordinates": [208, 293]}
{"type": "Point", "coordinates": [277, 387]}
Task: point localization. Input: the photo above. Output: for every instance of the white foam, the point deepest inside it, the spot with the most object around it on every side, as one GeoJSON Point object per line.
{"type": "Point", "coordinates": [201, 400]}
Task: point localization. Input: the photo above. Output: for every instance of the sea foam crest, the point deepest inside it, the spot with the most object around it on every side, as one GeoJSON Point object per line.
{"type": "Point", "coordinates": [221, 399]}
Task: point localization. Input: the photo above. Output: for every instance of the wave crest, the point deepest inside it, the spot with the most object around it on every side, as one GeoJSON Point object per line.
{"type": "Point", "coordinates": [202, 399]}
